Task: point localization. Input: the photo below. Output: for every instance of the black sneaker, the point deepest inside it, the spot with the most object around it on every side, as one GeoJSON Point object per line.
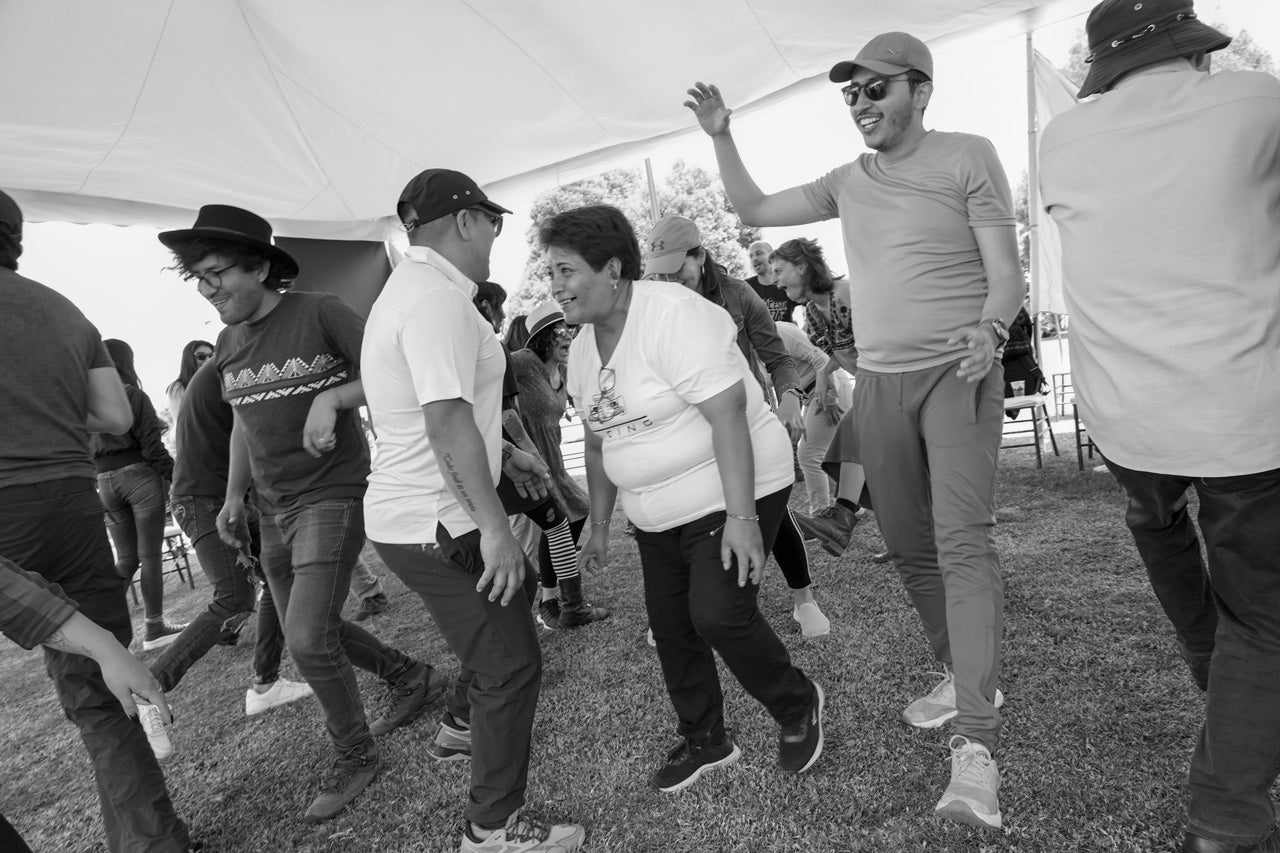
{"type": "Point", "coordinates": [350, 775]}
{"type": "Point", "coordinates": [407, 699]}
{"type": "Point", "coordinates": [800, 744]}
{"type": "Point", "coordinates": [453, 741]}
{"type": "Point", "coordinates": [687, 762]}
{"type": "Point", "coordinates": [371, 606]}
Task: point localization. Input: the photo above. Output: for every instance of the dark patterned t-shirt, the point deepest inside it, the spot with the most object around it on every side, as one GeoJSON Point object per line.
{"type": "Point", "coordinates": [271, 371]}
{"type": "Point", "coordinates": [781, 309]}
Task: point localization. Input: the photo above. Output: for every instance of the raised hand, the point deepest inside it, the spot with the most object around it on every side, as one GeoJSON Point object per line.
{"type": "Point", "coordinates": [708, 106]}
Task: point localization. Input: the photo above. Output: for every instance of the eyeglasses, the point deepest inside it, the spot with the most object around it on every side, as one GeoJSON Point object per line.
{"type": "Point", "coordinates": [606, 381]}
{"type": "Point", "coordinates": [875, 89]}
{"type": "Point", "coordinates": [202, 356]}
{"type": "Point", "coordinates": [495, 219]}
{"type": "Point", "coordinates": [563, 331]}
{"type": "Point", "coordinates": [213, 278]}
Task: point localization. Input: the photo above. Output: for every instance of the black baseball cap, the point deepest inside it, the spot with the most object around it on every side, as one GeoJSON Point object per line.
{"type": "Point", "coordinates": [439, 192]}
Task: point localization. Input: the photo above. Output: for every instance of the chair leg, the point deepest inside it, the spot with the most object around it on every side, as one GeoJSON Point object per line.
{"type": "Point", "coordinates": [1053, 439]}
{"type": "Point", "coordinates": [1075, 418]}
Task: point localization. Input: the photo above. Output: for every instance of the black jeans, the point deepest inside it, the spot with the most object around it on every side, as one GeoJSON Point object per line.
{"type": "Point", "coordinates": [501, 675]}
{"type": "Point", "coordinates": [55, 529]}
{"type": "Point", "coordinates": [696, 608]}
{"type": "Point", "coordinates": [1229, 616]}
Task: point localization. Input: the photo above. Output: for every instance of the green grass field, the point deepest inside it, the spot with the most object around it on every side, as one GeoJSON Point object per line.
{"type": "Point", "coordinates": [1100, 719]}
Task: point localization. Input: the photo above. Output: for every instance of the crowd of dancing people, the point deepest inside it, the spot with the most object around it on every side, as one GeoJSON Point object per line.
{"type": "Point", "coordinates": [700, 399]}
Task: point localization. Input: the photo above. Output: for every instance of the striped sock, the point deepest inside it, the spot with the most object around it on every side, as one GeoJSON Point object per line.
{"type": "Point", "coordinates": [564, 554]}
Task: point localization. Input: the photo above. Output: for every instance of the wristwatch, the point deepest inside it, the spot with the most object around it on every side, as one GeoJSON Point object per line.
{"type": "Point", "coordinates": [1001, 330]}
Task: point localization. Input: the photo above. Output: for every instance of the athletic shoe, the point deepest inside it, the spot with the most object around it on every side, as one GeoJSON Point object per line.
{"type": "Point", "coordinates": [350, 775]}
{"type": "Point", "coordinates": [800, 744]}
{"type": "Point", "coordinates": [938, 705]}
{"type": "Point", "coordinates": [971, 796]}
{"type": "Point", "coordinates": [548, 614]}
{"type": "Point", "coordinates": [157, 734]}
{"type": "Point", "coordinates": [407, 699]}
{"type": "Point", "coordinates": [812, 622]}
{"type": "Point", "coordinates": [453, 741]}
{"type": "Point", "coordinates": [881, 556]}
{"type": "Point", "coordinates": [526, 835]}
{"type": "Point", "coordinates": [687, 762]}
{"type": "Point", "coordinates": [281, 692]}
{"type": "Point", "coordinates": [160, 634]}
{"type": "Point", "coordinates": [650, 640]}
{"type": "Point", "coordinates": [371, 606]}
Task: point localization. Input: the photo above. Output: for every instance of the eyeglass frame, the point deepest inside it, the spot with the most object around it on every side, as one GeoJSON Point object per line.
{"type": "Point", "coordinates": [203, 277]}
{"type": "Point", "coordinates": [201, 357]}
{"type": "Point", "coordinates": [854, 91]}
{"type": "Point", "coordinates": [495, 219]}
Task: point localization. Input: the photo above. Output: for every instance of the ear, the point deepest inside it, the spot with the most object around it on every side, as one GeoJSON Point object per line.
{"type": "Point", "coordinates": [614, 267]}
{"type": "Point", "coordinates": [920, 99]}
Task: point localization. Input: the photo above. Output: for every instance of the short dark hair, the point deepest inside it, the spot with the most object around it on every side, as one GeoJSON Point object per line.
{"type": "Point", "coordinates": [188, 253]}
{"type": "Point", "coordinates": [544, 342]}
{"type": "Point", "coordinates": [807, 255]}
{"type": "Point", "coordinates": [597, 232]}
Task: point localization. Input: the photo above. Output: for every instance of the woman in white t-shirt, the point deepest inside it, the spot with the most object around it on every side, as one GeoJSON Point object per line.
{"type": "Point", "coordinates": [676, 424]}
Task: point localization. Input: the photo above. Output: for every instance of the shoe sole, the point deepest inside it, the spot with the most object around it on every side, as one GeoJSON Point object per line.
{"type": "Point", "coordinates": [939, 722]}
{"type": "Point", "coordinates": [698, 774]}
{"type": "Point", "coordinates": [959, 812]}
{"type": "Point", "coordinates": [452, 756]}
{"type": "Point", "coordinates": [817, 750]}
{"type": "Point", "coordinates": [279, 704]}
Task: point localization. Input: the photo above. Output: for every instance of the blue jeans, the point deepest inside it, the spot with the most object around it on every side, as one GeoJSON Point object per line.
{"type": "Point", "coordinates": [233, 590]}
{"type": "Point", "coordinates": [1229, 614]}
{"type": "Point", "coordinates": [133, 497]}
{"type": "Point", "coordinates": [55, 530]}
{"type": "Point", "coordinates": [696, 608]}
{"type": "Point", "coordinates": [307, 554]}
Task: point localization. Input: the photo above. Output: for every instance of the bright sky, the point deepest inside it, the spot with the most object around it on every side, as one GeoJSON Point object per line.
{"type": "Point", "coordinates": [117, 275]}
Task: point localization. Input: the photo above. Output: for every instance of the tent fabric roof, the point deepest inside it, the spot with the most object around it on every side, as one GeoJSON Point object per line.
{"type": "Point", "coordinates": [314, 113]}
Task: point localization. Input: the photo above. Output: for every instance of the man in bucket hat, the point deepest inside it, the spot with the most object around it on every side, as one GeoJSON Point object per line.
{"type": "Point", "coordinates": [1166, 189]}
{"type": "Point", "coordinates": [434, 370]}
{"type": "Point", "coordinates": [929, 236]}
{"type": "Point", "coordinates": [289, 368]}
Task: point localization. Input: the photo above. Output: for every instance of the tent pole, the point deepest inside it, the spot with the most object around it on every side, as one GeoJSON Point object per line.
{"type": "Point", "coordinates": [1033, 192]}
{"type": "Point", "coordinates": [653, 190]}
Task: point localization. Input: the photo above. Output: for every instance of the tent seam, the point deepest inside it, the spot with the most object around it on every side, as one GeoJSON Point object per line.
{"type": "Point", "coordinates": [155, 50]}
{"type": "Point", "coordinates": [755, 15]}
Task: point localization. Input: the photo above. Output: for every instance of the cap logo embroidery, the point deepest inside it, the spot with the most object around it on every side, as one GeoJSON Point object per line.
{"type": "Point", "coordinates": [892, 52]}
{"type": "Point", "coordinates": [657, 245]}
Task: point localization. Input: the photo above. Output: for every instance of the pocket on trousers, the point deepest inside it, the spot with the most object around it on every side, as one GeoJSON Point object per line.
{"type": "Point", "coordinates": [463, 551]}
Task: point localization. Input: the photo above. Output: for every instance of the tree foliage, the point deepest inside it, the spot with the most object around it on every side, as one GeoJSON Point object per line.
{"type": "Point", "coordinates": [688, 191]}
{"type": "Point", "coordinates": [1243, 54]}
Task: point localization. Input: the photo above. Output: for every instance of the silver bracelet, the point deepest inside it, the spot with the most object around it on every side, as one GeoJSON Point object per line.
{"type": "Point", "coordinates": [604, 523]}
{"type": "Point", "coordinates": [742, 517]}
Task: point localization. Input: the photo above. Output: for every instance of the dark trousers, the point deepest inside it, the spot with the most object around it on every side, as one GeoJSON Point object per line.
{"type": "Point", "coordinates": [307, 554]}
{"type": "Point", "coordinates": [134, 498]}
{"type": "Point", "coordinates": [1229, 616]}
{"type": "Point", "coordinates": [696, 608]}
{"type": "Point", "coordinates": [501, 665]}
{"type": "Point", "coordinates": [55, 530]}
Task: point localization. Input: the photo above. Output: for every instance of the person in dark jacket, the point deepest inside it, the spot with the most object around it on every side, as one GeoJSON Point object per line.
{"type": "Point", "coordinates": [133, 470]}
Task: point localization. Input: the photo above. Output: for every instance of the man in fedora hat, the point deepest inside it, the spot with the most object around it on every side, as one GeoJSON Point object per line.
{"type": "Point", "coordinates": [929, 237]}
{"type": "Point", "coordinates": [289, 367]}
{"type": "Point", "coordinates": [1166, 189]}
{"type": "Point", "coordinates": [433, 375]}
{"type": "Point", "coordinates": [58, 385]}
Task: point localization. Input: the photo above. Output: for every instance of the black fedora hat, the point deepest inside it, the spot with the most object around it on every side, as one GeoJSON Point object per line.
{"type": "Point", "coordinates": [1129, 34]}
{"type": "Point", "coordinates": [224, 222]}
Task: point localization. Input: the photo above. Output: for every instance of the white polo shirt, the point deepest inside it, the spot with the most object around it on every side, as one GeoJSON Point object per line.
{"type": "Point", "coordinates": [425, 342]}
{"type": "Point", "coordinates": [1167, 194]}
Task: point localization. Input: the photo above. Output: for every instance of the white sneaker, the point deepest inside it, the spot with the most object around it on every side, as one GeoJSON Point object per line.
{"type": "Point", "coordinates": [525, 835]}
{"type": "Point", "coordinates": [282, 692]}
{"type": "Point", "coordinates": [157, 734]}
{"type": "Point", "coordinates": [938, 706]}
{"type": "Point", "coordinates": [972, 795]}
{"type": "Point", "coordinates": [812, 622]}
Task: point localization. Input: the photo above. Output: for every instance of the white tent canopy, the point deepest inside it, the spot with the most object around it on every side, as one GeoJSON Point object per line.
{"type": "Point", "coordinates": [314, 113]}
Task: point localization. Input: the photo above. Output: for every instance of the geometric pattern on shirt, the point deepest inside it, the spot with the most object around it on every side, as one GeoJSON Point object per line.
{"type": "Point", "coordinates": [339, 378]}
{"type": "Point", "coordinates": [269, 373]}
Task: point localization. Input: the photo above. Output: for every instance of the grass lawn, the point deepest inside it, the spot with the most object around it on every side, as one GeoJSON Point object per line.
{"type": "Point", "coordinates": [1100, 719]}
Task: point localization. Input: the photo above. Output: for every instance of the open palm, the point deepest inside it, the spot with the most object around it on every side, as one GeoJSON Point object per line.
{"type": "Point", "coordinates": [708, 106]}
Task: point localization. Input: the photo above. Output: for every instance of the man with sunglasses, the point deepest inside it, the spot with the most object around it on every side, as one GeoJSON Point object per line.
{"type": "Point", "coordinates": [288, 365]}
{"type": "Point", "coordinates": [929, 236]}
{"type": "Point", "coordinates": [433, 372]}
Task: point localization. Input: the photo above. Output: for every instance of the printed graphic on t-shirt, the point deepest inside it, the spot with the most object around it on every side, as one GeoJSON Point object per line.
{"type": "Point", "coordinates": [296, 377]}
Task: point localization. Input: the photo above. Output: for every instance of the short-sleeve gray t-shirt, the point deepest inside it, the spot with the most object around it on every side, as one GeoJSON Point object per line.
{"type": "Point", "coordinates": [916, 272]}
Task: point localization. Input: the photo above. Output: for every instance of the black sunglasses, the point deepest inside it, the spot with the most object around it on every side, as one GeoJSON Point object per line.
{"type": "Point", "coordinates": [875, 89]}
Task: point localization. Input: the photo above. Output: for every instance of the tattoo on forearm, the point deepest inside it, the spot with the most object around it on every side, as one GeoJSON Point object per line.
{"type": "Point", "coordinates": [58, 640]}
{"type": "Point", "coordinates": [456, 476]}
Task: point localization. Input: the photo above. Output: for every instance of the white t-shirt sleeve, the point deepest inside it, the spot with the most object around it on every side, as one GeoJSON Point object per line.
{"type": "Point", "coordinates": [694, 349]}
{"type": "Point", "coordinates": [440, 347]}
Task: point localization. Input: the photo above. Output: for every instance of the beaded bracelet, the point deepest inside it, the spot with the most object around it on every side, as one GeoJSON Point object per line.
{"type": "Point", "coordinates": [604, 523]}
{"type": "Point", "coordinates": [742, 517]}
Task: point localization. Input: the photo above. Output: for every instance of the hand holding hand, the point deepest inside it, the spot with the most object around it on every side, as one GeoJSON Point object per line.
{"type": "Point", "coordinates": [317, 434]}
{"type": "Point", "coordinates": [530, 475]}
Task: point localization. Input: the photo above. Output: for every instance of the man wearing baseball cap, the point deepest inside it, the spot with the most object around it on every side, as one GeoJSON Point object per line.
{"type": "Point", "coordinates": [58, 385]}
{"type": "Point", "coordinates": [1166, 190]}
{"type": "Point", "coordinates": [289, 367]}
{"type": "Point", "coordinates": [929, 237]}
{"type": "Point", "coordinates": [433, 373]}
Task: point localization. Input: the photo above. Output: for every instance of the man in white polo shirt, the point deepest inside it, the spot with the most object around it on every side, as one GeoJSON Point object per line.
{"type": "Point", "coordinates": [1166, 189]}
{"type": "Point", "coordinates": [433, 380]}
